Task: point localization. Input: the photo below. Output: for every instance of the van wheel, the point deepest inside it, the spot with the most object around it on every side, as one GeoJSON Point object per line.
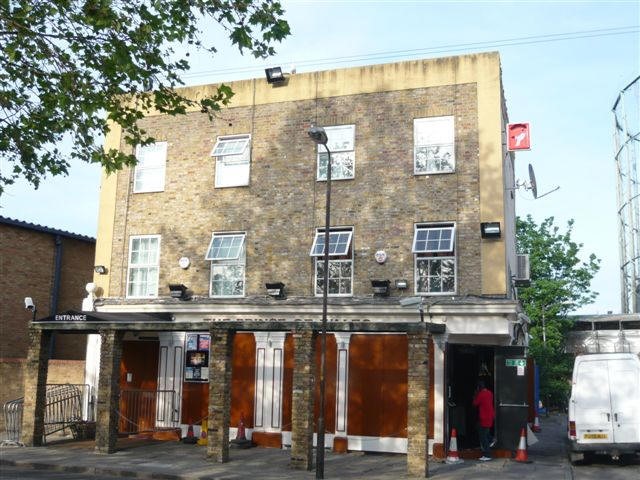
{"type": "Point", "coordinates": [628, 459]}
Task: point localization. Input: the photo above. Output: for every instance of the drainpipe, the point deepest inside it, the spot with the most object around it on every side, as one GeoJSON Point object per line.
{"type": "Point", "coordinates": [55, 290]}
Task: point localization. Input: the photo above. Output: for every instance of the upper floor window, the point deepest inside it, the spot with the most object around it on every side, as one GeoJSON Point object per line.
{"type": "Point", "coordinates": [340, 262]}
{"type": "Point", "coordinates": [149, 172]}
{"type": "Point", "coordinates": [433, 141]}
{"type": "Point", "coordinates": [341, 143]}
{"type": "Point", "coordinates": [144, 260]}
{"type": "Point", "coordinates": [227, 254]}
{"type": "Point", "coordinates": [435, 260]}
{"type": "Point", "coordinates": [233, 158]}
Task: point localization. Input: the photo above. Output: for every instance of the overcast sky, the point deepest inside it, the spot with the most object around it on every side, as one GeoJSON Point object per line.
{"type": "Point", "coordinates": [563, 65]}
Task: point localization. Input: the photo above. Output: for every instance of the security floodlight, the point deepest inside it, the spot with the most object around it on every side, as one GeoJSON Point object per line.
{"type": "Point", "coordinates": [490, 229]}
{"type": "Point", "coordinates": [100, 269]}
{"type": "Point", "coordinates": [410, 301]}
{"type": "Point", "coordinates": [274, 75]}
{"type": "Point", "coordinates": [275, 289]}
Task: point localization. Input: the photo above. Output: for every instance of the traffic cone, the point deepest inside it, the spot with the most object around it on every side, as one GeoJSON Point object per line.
{"type": "Point", "coordinates": [241, 434]}
{"type": "Point", "coordinates": [203, 433]}
{"type": "Point", "coordinates": [453, 456]}
{"type": "Point", "coordinates": [536, 424]}
{"type": "Point", "coordinates": [521, 454]}
{"type": "Point", "coordinates": [190, 438]}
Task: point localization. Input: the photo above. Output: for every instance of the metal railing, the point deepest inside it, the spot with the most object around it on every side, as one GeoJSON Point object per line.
{"type": "Point", "coordinates": [147, 410]}
{"type": "Point", "coordinates": [66, 405]}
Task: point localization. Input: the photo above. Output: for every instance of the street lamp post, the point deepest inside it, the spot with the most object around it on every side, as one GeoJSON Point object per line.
{"type": "Point", "coordinates": [319, 136]}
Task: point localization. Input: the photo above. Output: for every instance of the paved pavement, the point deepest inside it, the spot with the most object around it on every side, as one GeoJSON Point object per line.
{"type": "Point", "coordinates": [177, 461]}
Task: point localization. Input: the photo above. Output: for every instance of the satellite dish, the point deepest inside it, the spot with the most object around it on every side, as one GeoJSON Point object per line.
{"type": "Point", "coordinates": [532, 182]}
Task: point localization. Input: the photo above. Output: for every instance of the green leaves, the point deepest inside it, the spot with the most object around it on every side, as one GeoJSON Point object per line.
{"type": "Point", "coordinates": [560, 283]}
{"type": "Point", "coordinates": [69, 66]}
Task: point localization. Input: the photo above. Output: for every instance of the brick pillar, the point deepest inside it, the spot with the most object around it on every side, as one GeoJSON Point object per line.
{"type": "Point", "coordinates": [302, 420]}
{"type": "Point", "coordinates": [108, 391]}
{"type": "Point", "coordinates": [35, 387]}
{"type": "Point", "coordinates": [418, 404]}
{"type": "Point", "coordinates": [220, 358]}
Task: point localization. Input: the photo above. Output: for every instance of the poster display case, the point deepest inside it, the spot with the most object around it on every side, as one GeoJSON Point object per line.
{"type": "Point", "coordinates": [196, 360]}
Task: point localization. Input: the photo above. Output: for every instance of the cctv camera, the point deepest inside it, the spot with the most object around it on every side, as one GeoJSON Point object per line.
{"type": "Point", "coordinates": [28, 303]}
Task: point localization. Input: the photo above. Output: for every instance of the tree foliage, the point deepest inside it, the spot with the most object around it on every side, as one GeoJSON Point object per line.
{"type": "Point", "coordinates": [560, 284]}
{"type": "Point", "coordinates": [69, 67]}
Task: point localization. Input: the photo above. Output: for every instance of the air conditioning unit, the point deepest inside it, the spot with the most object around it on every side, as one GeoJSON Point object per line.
{"type": "Point", "coordinates": [523, 276]}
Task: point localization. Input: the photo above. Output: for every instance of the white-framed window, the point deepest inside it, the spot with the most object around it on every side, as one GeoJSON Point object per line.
{"type": "Point", "coordinates": [433, 145]}
{"type": "Point", "coordinates": [227, 254]}
{"type": "Point", "coordinates": [341, 143]}
{"type": "Point", "coordinates": [340, 262]}
{"type": "Point", "coordinates": [435, 259]}
{"type": "Point", "coordinates": [233, 159]}
{"type": "Point", "coordinates": [144, 261]}
{"type": "Point", "coordinates": [148, 175]}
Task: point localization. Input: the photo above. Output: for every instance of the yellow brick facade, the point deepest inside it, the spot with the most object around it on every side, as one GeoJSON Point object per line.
{"type": "Point", "coordinates": [284, 203]}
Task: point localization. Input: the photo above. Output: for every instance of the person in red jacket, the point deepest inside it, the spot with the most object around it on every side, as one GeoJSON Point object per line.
{"type": "Point", "coordinates": [483, 400]}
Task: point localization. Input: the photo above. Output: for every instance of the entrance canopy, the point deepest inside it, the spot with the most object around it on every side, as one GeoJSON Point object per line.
{"type": "Point", "coordinates": [73, 316]}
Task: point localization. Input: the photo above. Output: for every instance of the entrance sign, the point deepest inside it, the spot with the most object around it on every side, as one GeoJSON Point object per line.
{"type": "Point", "coordinates": [515, 362]}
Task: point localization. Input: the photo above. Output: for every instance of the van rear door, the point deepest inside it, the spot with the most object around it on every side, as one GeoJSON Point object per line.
{"type": "Point", "coordinates": [623, 375]}
{"type": "Point", "coordinates": [594, 422]}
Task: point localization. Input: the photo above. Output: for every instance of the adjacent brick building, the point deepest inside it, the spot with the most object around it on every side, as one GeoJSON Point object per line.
{"type": "Point", "coordinates": [51, 267]}
{"type": "Point", "coordinates": [219, 211]}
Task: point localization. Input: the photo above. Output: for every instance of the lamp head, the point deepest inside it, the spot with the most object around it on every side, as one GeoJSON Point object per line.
{"type": "Point", "coordinates": [318, 135]}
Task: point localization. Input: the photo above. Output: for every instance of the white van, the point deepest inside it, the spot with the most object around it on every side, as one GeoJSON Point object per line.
{"type": "Point", "coordinates": [604, 409]}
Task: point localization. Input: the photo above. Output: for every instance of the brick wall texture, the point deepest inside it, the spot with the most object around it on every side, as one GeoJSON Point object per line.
{"type": "Point", "coordinates": [27, 263]}
{"type": "Point", "coordinates": [302, 424]}
{"type": "Point", "coordinates": [418, 404]}
{"type": "Point", "coordinates": [284, 204]}
{"type": "Point", "coordinates": [220, 361]}
{"type": "Point", "coordinates": [108, 391]}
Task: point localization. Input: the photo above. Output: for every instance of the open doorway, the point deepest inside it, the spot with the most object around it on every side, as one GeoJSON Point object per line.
{"type": "Point", "coordinates": [466, 364]}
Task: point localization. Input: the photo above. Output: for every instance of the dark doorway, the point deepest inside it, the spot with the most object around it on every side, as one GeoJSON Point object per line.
{"type": "Point", "coordinates": [466, 364]}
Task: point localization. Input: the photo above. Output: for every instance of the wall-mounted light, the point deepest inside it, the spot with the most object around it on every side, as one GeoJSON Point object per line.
{"type": "Point", "coordinates": [380, 287]}
{"type": "Point", "coordinates": [401, 283]}
{"type": "Point", "coordinates": [274, 75]}
{"type": "Point", "coordinates": [275, 289]}
{"type": "Point", "coordinates": [490, 229]}
{"type": "Point", "coordinates": [100, 269]}
{"type": "Point", "coordinates": [30, 305]}
{"type": "Point", "coordinates": [179, 291]}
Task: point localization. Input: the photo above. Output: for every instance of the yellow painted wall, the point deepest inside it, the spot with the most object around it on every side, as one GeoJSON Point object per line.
{"type": "Point", "coordinates": [106, 216]}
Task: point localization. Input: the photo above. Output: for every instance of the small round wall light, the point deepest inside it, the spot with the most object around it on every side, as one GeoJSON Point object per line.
{"type": "Point", "coordinates": [184, 262]}
{"type": "Point", "coordinates": [380, 256]}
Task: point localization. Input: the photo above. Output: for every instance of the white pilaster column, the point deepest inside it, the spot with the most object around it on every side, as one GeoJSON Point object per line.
{"type": "Point", "coordinates": [269, 372]}
{"type": "Point", "coordinates": [91, 375]}
{"type": "Point", "coordinates": [440, 396]}
{"type": "Point", "coordinates": [342, 382]}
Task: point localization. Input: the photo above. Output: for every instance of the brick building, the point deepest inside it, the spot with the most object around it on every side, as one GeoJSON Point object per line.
{"type": "Point", "coordinates": [52, 267]}
{"type": "Point", "coordinates": [219, 209]}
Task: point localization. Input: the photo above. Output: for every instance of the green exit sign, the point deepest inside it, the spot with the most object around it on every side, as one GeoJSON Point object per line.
{"type": "Point", "coordinates": [515, 362]}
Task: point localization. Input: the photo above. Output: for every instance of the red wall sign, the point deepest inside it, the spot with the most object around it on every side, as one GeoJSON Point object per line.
{"type": "Point", "coordinates": [518, 136]}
